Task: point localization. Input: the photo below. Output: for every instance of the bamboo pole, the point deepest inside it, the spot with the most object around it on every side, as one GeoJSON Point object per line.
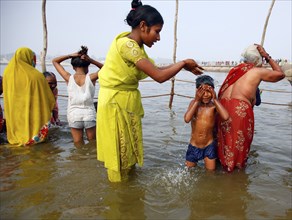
{"type": "Point", "coordinates": [174, 54]}
{"type": "Point", "coordinates": [266, 23]}
{"type": "Point", "coordinates": [45, 38]}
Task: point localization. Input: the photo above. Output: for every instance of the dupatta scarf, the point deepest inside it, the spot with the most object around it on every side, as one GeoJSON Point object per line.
{"type": "Point", "coordinates": [28, 100]}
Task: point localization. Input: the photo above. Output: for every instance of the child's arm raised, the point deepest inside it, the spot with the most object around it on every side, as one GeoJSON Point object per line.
{"type": "Point", "coordinates": [219, 108]}
{"type": "Point", "coordinates": [194, 104]}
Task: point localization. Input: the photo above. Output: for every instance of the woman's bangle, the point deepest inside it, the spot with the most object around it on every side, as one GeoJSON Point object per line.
{"type": "Point", "coordinates": [268, 58]}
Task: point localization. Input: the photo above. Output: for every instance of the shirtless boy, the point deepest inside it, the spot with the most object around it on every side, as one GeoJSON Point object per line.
{"type": "Point", "coordinates": [202, 113]}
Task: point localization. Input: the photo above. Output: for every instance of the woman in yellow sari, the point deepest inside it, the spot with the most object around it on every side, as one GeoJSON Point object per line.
{"type": "Point", "coordinates": [28, 100]}
{"type": "Point", "coordinates": [119, 126]}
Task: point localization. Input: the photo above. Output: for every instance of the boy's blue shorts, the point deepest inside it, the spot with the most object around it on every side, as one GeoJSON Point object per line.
{"type": "Point", "coordinates": [195, 154]}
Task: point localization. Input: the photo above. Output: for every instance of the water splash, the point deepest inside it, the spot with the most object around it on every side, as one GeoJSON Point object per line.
{"type": "Point", "coordinates": [176, 181]}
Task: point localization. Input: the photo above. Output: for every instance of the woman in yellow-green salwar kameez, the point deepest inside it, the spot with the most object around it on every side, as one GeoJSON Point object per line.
{"type": "Point", "coordinates": [119, 127]}
{"type": "Point", "coordinates": [28, 100]}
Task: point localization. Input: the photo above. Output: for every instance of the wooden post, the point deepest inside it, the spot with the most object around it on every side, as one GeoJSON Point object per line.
{"type": "Point", "coordinates": [174, 55]}
{"type": "Point", "coordinates": [266, 23]}
{"type": "Point", "coordinates": [45, 43]}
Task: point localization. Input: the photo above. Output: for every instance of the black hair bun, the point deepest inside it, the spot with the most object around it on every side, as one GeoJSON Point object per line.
{"type": "Point", "coordinates": [136, 3]}
{"type": "Point", "coordinates": [83, 50]}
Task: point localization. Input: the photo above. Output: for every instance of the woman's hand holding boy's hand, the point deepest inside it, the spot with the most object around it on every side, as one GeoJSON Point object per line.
{"type": "Point", "coordinates": [192, 66]}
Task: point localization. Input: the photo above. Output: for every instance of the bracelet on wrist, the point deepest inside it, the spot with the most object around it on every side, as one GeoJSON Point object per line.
{"type": "Point", "coordinates": [267, 58]}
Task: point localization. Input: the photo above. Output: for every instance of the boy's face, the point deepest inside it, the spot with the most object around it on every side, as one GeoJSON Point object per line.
{"type": "Point", "coordinates": [52, 82]}
{"type": "Point", "coordinates": [207, 94]}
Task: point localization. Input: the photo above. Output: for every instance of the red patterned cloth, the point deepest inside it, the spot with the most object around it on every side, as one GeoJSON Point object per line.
{"type": "Point", "coordinates": [235, 135]}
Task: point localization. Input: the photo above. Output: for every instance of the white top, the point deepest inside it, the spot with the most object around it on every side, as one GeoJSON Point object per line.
{"type": "Point", "coordinates": [80, 102]}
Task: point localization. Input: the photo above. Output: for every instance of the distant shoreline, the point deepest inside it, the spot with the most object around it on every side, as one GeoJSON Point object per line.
{"type": "Point", "coordinates": [287, 68]}
{"type": "Point", "coordinates": [47, 63]}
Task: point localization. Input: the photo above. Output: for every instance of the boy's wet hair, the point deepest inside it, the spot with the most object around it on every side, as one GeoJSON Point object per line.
{"type": "Point", "coordinates": [77, 61]}
{"type": "Point", "coordinates": [140, 12]}
{"type": "Point", "coordinates": [46, 74]}
{"type": "Point", "coordinates": [205, 79]}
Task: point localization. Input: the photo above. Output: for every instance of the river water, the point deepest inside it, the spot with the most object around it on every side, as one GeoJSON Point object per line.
{"type": "Point", "coordinates": [54, 180]}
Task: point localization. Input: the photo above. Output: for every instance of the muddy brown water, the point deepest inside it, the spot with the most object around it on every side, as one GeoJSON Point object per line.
{"type": "Point", "coordinates": [54, 180]}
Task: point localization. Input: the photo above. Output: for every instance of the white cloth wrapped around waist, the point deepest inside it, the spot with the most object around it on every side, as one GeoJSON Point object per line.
{"type": "Point", "coordinates": [78, 113]}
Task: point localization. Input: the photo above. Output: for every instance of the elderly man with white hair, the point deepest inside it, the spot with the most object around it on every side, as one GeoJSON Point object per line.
{"type": "Point", "coordinates": [238, 95]}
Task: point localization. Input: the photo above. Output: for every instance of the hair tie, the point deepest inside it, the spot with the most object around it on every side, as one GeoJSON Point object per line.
{"type": "Point", "coordinates": [133, 9]}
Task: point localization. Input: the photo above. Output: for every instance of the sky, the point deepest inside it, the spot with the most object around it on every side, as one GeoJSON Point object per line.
{"type": "Point", "coordinates": [206, 31]}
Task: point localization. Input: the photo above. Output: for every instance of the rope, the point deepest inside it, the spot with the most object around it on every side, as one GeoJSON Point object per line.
{"type": "Point", "coordinates": [193, 82]}
{"type": "Point", "coordinates": [185, 96]}
{"type": "Point", "coordinates": [62, 96]}
{"type": "Point", "coordinates": [191, 97]}
{"type": "Point", "coordinates": [154, 96]}
{"type": "Point", "coordinates": [269, 103]}
{"type": "Point", "coordinates": [275, 91]}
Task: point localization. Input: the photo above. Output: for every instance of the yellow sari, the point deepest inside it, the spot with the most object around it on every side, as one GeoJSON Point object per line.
{"type": "Point", "coordinates": [119, 126]}
{"type": "Point", "coordinates": [28, 100]}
